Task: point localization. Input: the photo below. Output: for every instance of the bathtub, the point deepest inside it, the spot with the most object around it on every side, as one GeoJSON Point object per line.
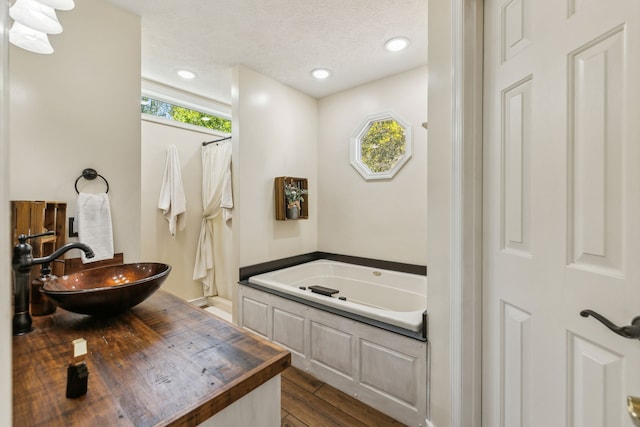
{"type": "Point", "coordinates": [372, 345]}
{"type": "Point", "coordinates": [388, 297]}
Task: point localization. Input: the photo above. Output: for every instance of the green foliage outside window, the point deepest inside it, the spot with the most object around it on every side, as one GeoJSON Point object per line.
{"type": "Point", "coordinates": [382, 145]}
{"type": "Point", "coordinates": [184, 115]}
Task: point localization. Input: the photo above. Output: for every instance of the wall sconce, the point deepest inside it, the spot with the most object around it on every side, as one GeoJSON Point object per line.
{"type": "Point", "coordinates": [58, 4]}
{"type": "Point", "coordinates": [33, 20]}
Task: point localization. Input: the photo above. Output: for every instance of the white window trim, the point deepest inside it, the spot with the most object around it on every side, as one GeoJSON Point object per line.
{"type": "Point", "coordinates": [356, 147]}
{"type": "Point", "coordinates": [176, 124]}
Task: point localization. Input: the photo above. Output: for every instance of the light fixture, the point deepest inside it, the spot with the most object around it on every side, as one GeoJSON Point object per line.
{"type": "Point", "coordinates": [320, 73]}
{"type": "Point", "coordinates": [58, 4]}
{"type": "Point", "coordinates": [396, 44]}
{"type": "Point", "coordinates": [29, 39]}
{"type": "Point", "coordinates": [186, 74]}
{"type": "Point", "coordinates": [36, 16]}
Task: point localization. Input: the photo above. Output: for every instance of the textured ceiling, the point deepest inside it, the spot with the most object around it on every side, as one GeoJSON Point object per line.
{"type": "Point", "coordinates": [282, 39]}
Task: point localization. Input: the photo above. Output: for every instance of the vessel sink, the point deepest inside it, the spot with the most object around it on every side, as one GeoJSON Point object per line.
{"type": "Point", "coordinates": [106, 291]}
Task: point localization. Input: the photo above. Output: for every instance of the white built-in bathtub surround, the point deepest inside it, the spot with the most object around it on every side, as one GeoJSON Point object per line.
{"type": "Point", "coordinates": [391, 297]}
{"type": "Point", "coordinates": [385, 370]}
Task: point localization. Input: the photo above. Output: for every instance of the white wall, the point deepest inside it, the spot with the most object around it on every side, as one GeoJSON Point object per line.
{"type": "Point", "coordinates": [381, 219]}
{"type": "Point", "coordinates": [275, 134]}
{"type": "Point", "coordinates": [79, 108]}
{"type": "Point", "coordinates": [157, 243]}
{"type": "Point", "coordinates": [5, 259]}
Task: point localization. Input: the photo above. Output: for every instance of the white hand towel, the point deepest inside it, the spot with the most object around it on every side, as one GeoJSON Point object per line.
{"type": "Point", "coordinates": [93, 216]}
{"type": "Point", "coordinates": [172, 199]}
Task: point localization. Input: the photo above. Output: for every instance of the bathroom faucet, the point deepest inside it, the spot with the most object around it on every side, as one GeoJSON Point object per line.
{"type": "Point", "coordinates": [21, 263]}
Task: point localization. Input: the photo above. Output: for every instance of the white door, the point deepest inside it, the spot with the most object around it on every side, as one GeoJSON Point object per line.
{"type": "Point", "coordinates": [561, 211]}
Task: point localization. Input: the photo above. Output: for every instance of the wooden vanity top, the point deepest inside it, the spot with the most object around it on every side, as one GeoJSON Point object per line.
{"type": "Point", "coordinates": [164, 362]}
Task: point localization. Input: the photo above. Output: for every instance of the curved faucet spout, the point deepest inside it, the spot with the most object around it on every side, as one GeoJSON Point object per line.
{"type": "Point", "coordinates": [57, 254]}
{"type": "Point", "coordinates": [22, 262]}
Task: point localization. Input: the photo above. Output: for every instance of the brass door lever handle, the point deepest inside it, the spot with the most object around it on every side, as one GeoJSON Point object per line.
{"type": "Point", "coordinates": [632, 331]}
{"type": "Point", "coordinates": [633, 406]}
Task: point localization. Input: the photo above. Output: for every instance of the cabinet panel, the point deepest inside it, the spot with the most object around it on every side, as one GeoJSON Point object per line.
{"type": "Point", "coordinates": [255, 316]}
{"type": "Point", "coordinates": [288, 330]}
{"type": "Point", "coordinates": [381, 367]}
{"type": "Point", "coordinates": [332, 348]}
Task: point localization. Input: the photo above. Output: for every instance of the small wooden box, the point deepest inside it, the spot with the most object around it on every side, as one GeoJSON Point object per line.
{"type": "Point", "coordinates": [281, 201]}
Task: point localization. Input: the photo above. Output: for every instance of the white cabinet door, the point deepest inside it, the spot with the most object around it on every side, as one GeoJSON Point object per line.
{"type": "Point", "coordinates": [561, 211]}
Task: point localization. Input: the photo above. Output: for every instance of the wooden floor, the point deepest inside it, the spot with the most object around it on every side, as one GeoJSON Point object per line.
{"type": "Point", "coordinates": [308, 402]}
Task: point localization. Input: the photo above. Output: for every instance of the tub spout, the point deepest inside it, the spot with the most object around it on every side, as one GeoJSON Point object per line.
{"type": "Point", "coordinates": [21, 263]}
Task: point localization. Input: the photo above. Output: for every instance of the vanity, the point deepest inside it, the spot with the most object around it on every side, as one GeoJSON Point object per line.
{"type": "Point", "coordinates": [164, 362]}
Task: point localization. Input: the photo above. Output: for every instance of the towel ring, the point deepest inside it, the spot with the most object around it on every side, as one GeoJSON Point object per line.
{"type": "Point", "coordinates": [91, 174]}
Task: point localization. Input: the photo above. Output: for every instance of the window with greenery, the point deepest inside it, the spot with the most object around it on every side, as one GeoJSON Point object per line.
{"type": "Point", "coordinates": [380, 146]}
{"type": "Point", "coordinates": [170, 111]}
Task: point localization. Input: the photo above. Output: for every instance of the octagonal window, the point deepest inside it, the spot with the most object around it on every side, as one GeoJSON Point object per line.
{"type": "Point", "coordinates": [380, 146]}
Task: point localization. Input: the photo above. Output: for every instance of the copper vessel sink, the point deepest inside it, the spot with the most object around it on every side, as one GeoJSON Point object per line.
{"type": "Point", "coordinates": [106, 291]}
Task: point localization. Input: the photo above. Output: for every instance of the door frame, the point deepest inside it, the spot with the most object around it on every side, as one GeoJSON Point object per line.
{"type": "Point", "coordinates": [455, 270]}
{"type": "Point", "coordinates": [466, 236]}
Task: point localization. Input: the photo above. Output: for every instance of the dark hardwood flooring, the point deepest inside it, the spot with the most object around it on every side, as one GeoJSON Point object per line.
{"type": "Point", "coordinates": [309, 402]}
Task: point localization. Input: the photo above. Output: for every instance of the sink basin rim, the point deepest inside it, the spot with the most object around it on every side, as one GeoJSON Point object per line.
{"type": "Point", "coordinates": [164, 272]}
{"type": "Point", "coordinates": [103, 300]}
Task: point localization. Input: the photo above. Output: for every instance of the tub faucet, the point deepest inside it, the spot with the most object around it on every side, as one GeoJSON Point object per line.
{"type": "Point", "coordinates": [21, 263]}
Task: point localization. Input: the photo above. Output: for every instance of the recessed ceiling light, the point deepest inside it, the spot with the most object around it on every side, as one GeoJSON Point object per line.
{"type": "Point", "coordinates": [320, 73]}
{"type": "Point", "coordinates": [396, 44]}
{"type": "Point", "coordinates": [186, 74]}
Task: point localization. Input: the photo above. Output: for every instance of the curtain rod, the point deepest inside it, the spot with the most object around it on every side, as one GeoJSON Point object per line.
{"type": "Point", "coordinates": [215, 140]}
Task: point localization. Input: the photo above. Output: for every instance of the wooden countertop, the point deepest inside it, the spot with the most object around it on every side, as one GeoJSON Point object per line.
{"type": "Point", "coordinates": [164, 362]}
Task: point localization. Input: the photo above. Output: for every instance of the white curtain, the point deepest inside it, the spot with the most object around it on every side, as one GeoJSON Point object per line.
{"type": "Point", "coordinates": [217, 202]}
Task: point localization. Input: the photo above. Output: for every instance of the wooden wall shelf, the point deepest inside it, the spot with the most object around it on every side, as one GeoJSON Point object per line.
{"type": "Point", "coordinates": [281, 202]}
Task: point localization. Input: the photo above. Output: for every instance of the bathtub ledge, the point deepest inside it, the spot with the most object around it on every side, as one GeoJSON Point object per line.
{"type": "Point", "coordinates": [419, 335]}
